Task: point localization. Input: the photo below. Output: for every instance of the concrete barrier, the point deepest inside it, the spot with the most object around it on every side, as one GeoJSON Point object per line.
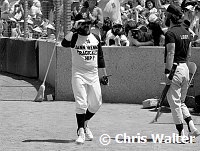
{"type": "Point", "coordinates": [45, 51]}
{"type": "Point", "coordinates": [136, 72]}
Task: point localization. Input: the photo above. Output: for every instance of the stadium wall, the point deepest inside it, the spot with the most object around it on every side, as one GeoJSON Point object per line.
{"type": "Point", "coordinates": [136, 72]}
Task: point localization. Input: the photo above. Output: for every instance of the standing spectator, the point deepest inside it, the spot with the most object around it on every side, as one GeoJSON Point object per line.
{"type": "Point", "coordinates": [112, 10]}
{"type": "Point", "coordinates": [95, 13]}
{"type": "Point", "coordinates": [18, 12]}
{"type": "Point", "coordinates": [5, 9]}
{"type": "Point", "coordinates": [151, 9]}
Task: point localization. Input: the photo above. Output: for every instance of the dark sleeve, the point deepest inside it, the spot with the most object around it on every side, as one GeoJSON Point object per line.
{"type": "Point", "coordinates": [101, 62]}
{"type": "Point", "coordinates": [66, 43]}
{"type": "Point", "coordinates": [70, 44]}
{"type": "Point", "coordinates": [169, 37]}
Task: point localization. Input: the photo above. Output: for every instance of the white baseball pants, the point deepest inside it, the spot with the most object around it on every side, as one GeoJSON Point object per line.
{"type": "Point", "coordinates": [87, 96]}
{"type": "Point", "coordinates": [177, 94]}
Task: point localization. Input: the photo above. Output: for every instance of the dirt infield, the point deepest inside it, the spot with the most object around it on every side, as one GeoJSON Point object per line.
{"type": "Point", "coordinates": [51, 126]}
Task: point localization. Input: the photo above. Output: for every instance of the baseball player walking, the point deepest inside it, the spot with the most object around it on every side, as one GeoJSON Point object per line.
{"type": "Point", "coordinates": [178, 50]}
{"type": "Point", "coordinates": [87, 57]}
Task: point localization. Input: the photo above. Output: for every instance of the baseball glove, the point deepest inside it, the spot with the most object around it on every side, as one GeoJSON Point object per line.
{"type": "Point", "coordinates": [104, 80]}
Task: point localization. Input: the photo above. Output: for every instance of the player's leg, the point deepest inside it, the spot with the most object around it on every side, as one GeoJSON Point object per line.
{"type": "Point", "coordinates": [186, 114]}
{"type": "Point", "coordinates": [94, 103]}
{"type": "Point", "coordinates": [80, 95]}
{"type": "Point", "coordinates": [173, 97]}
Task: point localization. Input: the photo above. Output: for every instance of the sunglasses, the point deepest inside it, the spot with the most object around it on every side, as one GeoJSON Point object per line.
{"type": "Point", "coordinates": [86, 23]}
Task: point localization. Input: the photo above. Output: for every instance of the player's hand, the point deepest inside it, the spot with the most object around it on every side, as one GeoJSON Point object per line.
{"type": "Point", "coordinates": [104, 80]}
{"type": "Point", "coordinates": [167, 81]}
{"type": "Point", "coordinates": [117, 41]}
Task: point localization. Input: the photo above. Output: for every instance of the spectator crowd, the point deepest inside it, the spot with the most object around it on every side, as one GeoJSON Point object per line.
{"type": "Point", "coordinates": [140, 23]}
{"type": "Point", "coordinates": [118, 23]}
{"type": "Point", "coordinates": [12, 20]}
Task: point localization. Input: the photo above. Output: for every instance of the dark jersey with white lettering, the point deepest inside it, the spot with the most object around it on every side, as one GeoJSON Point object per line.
{"type": "Point", "coordinates": [182, 38]}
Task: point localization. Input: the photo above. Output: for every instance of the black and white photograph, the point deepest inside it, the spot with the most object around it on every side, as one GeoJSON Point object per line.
{"type": "Point", "coordinates": [99, 75]}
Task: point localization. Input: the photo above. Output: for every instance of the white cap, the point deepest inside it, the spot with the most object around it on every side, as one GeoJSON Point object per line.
{"type": "Point", "coordinates": [12, 19]}
{"type": "Point", "coordinates": [152, 18]}
{"type": "Point", "coordinates": [139, 7]}
{"type": "Point", "coordinates": [166, 6]}
{"type": "Point", "coordinates": [37, 29]}
{"type": "Point", "coordinates": [50, 26]}
{"type": "Point", "coordinates": [190, 7]}
{"type": "Point", "coordinates": [21, 21]}
{"type": "Point", "coordinates": [29, 21]}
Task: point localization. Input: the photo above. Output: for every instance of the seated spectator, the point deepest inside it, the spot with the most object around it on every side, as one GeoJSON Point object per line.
{"type": "Point", "coordinates": [151, 9]}
{"type": "Point", "coordinates": [157, 33]}
{"type": "Point", "coordinates": [116, 37]}
{"type": "Point", "coordinates": [1, 28]}
{"type": "Point", "coordinates": [106, 27]}
{"type": "Point", "coordinates": [50, 31]}
{"type": "Point", "coordinates": [37, 3]}
{"type": "Point", "coordinates": [38, 21]}
{"type": "Point", "coordinates": [33, 9]}
{"type": "Point", "coordinates": [12, 28]}
{"type": "Point", "coordinates": [131, 24]}
{"type": "Point", "coordinates": [137, 37]}
{"type": "Point", "coordinates": [37, 33]}
{"type": "Point", "coordinates": [194, 26]}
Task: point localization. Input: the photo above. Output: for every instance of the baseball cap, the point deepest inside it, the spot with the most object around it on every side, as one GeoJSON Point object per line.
{"type": "Point", "coordinates": [82, 17]}
{"type": "Point", "coordinates": [175, 10]}
{"type": "Point", "coordinates": [37, 29]}
{"type": "Point", "coordinates": [117, 23]}
{"type": "Point", "coordinates": [186, 23]}
{"type": "Point", "coordinates": [50, 26]}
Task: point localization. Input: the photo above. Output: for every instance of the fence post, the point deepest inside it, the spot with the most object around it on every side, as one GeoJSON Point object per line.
{"type": "Point", "coordinates": [67, 16]}
{"type": "Point", "coordinates": [25, 19]}
{"type": "Point", "coordinates": [58, 9]}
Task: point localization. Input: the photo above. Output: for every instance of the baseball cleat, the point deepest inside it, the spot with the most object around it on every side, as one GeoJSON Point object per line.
{"type": "Point", "coordinates": [196, 133]}
{"type": "Point", "coordinates": [81, 136]}
{"type": "Point", "coordinates": [88, 134]}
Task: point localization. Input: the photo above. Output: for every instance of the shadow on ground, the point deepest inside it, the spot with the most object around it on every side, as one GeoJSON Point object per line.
{"type": "Point", "coordinates": [35, 83]}
{"type": "Point", "coordinates": [49, 141]}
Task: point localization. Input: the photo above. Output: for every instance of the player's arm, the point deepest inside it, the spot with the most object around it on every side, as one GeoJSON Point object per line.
{"type": "Point", "coordinates": [189, 53]}
{"type": "Point", "coordinates": [69, 40]}
{"type": "Point", "coordinates": [100, 18]}
{"type": "Point", "coordinates": [101, 65]}
{"type": "Point", "coordinates": [170, 46]}
{"type": "Point", "coordinates": [101, 62]}
{"type": "Point", "coordinates": [158, 4]}
{"type": "Point", "coordinates": [170, 56]}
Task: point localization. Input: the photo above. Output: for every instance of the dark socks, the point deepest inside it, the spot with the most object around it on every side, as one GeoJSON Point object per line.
{"type": "Point", "coordinates": [187, 120]}
{"type": "Point", "coordinates": [80, 120]}
{"type": "Point", "coordinates": [179, 127]}
{"type": "Point", "coordinates": [88, 115]}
